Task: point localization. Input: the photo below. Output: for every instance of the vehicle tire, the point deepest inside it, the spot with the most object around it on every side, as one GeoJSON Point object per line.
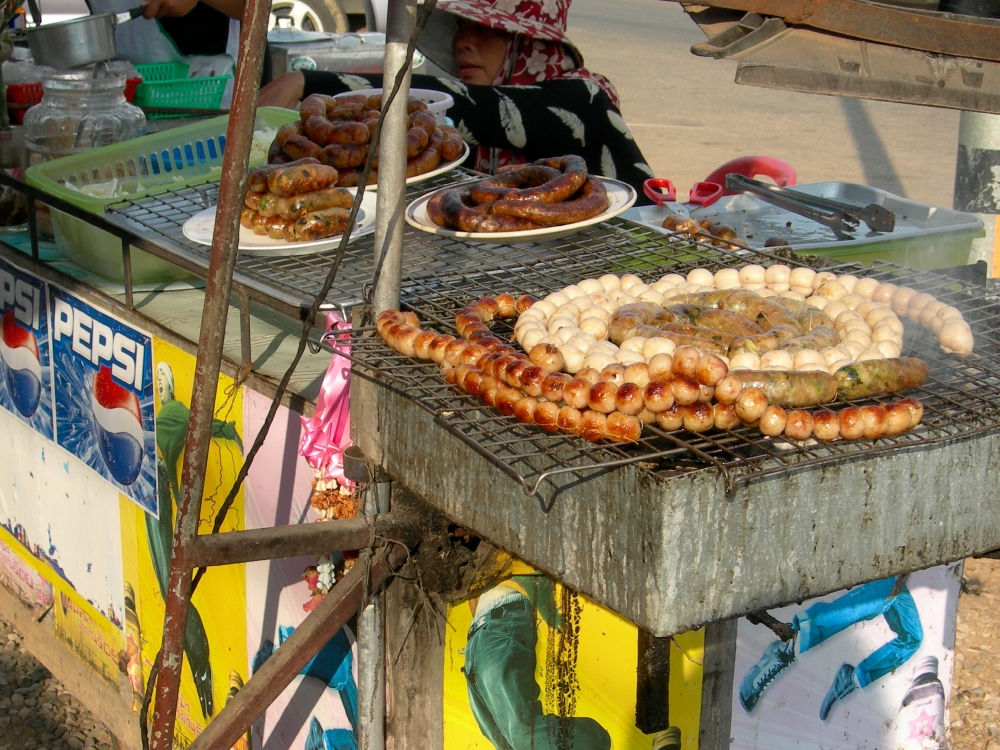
{"type": "Point", "coordinates": [310, 15]}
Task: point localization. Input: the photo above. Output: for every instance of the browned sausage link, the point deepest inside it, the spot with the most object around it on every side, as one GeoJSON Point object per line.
{"type": "Point", "coordinates": [593, 199]}
{"type": "Point", "coordinates": [276, 227]}
{"type": "Point", "coordinates": [678, 223]}
{"type": "Point", "coordinates": [423, 119]}
{"type": "Point", "coordinates": [323, 132]}
{"type": "Point", "coordinates": [313, 105]}
{"type": "Point", "coordinates": [452, 147]}
{"type": "Point", "coordinates": [428, 159]}
{"type": "Point", "coordinates": [704, 345]}
{"type": "Point", "coordinates": [718, 229]}
{"type": "Point", "coordinates": [321, 224]}
{"type": "Point", "coordinates": [344, 111]}
{"type": "Point", "coordinates": [301, 179]}
{"type": "Point", "coordinates": [794, 389]}
{"type": "Point", "coordinates": [352, 178]}
{"type": "Point", "coordinates": [257, 177]}
{"type": "Point", "coordinates": [252, 200]}
{"type": "Point", "coordinates": [300, 147]}
{"type": "Point", "coordinates": [416, 141]}
{"type": "Point", "coordinates": [317, 128]}
{"type": "Point", "coordinates": [873, 376]}
{"type": "Point", "coordinates": [286, 131]}
{"type": "Point", "coordinates": [360, 100]}
{"type": "Point", "coordinates": [434, 209]}
{"type": "Point", "coordinates": [295, 208]}
{"type": "Point", "coordinates": [374, 101]}
{"type": "Point", "coordinates": [259, 225]}
{"type": "Point", "coordinates": [274, 153]}
{"type": "Point", "coordinates": [414, 105]}
{"type": "Point", "coordinates": [461, 213]}
{"type": "Point", "coordinates": [247, 216]}
{"type": "Point", "coordinates": [267, 206]}
{"type": "Point", "coordinates": [348, 132]}
{"type": "Point", "coordinates": [344, 157]}
{"type": "Point", "coordinates": [529, 182]}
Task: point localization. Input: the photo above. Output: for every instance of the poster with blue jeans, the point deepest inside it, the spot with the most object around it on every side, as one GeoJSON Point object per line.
{"type": "Point", "coordinates": [852, 667]}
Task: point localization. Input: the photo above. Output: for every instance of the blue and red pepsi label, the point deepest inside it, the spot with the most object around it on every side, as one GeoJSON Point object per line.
{"type": "Point", "coordinates": [103, 371]}
{"type": "Point", "coordinates": [25, 364]}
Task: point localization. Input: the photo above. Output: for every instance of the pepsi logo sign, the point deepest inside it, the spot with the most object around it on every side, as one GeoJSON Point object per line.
{"type": "Point", "coordinates": [118, 422]}
{"type": "Point", "coordinates": [96, 342]}
{"type": "Point", "coordinates": [23, 298]}
{"type": "Point", "coordinates": [22, 368]}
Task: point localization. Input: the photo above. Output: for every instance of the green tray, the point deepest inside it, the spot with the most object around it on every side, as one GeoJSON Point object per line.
{"type": "Point", "coordinates": [172, 158]}
{"type": "Point", "coordinates": [167, 85]}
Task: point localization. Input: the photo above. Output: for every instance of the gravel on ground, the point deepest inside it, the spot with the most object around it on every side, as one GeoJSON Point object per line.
{"type": "Point", "coordinates": [35, 709]}
{"type": "Point", "coordinates": [975, 693]}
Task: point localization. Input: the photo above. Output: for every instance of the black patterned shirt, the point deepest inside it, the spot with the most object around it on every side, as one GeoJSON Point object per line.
{"type": "Point", "coordinates": [550, 118]}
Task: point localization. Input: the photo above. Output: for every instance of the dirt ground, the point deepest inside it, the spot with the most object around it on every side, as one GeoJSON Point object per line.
{"type": "Point", "coordinates": [975, 697]}
{"type": "Point", "coordinates": [37, 712]}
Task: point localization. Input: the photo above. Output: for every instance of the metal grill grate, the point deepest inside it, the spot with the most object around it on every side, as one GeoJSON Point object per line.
{"type": "Point", "coordinates": [293, 281]}
{"type": "Point", "coordinates": [961, 397]}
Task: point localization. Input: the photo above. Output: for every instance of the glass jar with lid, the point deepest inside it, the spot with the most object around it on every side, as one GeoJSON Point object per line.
{"type": "Point", "coordinates": [80, 111]}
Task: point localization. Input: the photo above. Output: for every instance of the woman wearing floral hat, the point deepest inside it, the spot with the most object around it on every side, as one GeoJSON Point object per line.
{"type": "Point", "coordinates": [523, 92]}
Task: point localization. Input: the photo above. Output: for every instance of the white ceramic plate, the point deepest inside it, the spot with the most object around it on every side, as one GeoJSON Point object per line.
{"type": "Point", "coordinates": [441, 169]}
{"type": "Point", "coordinates": [199, 229]}
{"type": "Point", "coordinates": [620, 198]}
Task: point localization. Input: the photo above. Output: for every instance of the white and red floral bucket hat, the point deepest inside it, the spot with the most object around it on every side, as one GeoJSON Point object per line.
{"type": "Point", "coordinates": [535, 19]}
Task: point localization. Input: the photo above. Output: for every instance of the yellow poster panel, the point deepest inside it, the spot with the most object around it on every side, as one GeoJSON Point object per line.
{"type": "Point", "coordinates": [575, 658]}
{"type": "Point", "coordinates": [215, 652]}
{"type": "Point", "coordinates": [92, 637]}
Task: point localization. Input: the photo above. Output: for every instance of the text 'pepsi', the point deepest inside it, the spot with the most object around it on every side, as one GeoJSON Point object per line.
{"type": "Point", "coordinates": [23, 298]}
{"type": "Point", "coordinates": [96, 342]}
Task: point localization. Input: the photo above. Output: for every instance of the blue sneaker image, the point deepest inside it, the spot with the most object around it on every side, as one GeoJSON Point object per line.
{"type": "Point", "coordinates": [844, 683]}
{"type": "Point", "coordinates": [773, 661]}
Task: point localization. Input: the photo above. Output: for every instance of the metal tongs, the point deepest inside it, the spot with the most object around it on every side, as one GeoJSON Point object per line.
{"type": "Point", "coordinates": [842, 218]}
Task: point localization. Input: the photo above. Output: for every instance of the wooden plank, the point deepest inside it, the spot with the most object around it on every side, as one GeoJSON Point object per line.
{"type": "Point", "coordinates": [944, 33]}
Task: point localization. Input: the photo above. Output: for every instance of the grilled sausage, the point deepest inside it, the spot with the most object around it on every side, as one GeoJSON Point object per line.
{"type": "Point", "coordinates": [863, 379]}
{"type": "Point", "coordinates": [790, 389]}
{"type": "Point", "coordinates": [303, 178]}
{"type": "Point", "coordinates": [319, 225]}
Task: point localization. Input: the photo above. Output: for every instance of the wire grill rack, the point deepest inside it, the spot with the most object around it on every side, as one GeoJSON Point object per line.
{"type": "Point", "coordinates": [961, 398]}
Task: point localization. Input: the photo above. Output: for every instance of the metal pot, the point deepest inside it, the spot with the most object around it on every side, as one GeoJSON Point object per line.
{"type": "Point", "coordinates": [82, 41]}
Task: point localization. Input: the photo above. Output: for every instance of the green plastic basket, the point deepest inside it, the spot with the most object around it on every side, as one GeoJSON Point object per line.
{"type": "Point", "coordinates": [167, 85]}
{"type": "Point", "coordinates": [172, 158]}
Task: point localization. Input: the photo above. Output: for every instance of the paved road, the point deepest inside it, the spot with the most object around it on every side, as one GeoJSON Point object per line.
{"type": "Point", "coordinates": [689, 116]}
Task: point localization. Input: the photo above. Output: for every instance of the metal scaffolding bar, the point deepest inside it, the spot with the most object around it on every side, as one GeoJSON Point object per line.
{"type": "Point", "coordinates": [239, 134]}
{"type": "Point", "coordinates": [391, 202]}
{"type": "Point", "coordinates": [320, 626]}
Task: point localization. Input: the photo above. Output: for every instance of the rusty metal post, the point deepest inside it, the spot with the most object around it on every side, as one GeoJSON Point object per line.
{"type": "Point", "coordinates": [391, 199]}
{"type": "Point", "coordinates": [319, 627]}
{"type": "Point", "coordinates": [239, 134]}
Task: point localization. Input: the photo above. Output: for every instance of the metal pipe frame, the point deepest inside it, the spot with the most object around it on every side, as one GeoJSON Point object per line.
{"type": "Point", "coordinates": [337, 607]}
{"type": "Point", "coordinates": [233, 547]}
{"type": "Point", "coordinates": [239, 134]}
{"type": "Point", "coordinates": [391, 203]}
